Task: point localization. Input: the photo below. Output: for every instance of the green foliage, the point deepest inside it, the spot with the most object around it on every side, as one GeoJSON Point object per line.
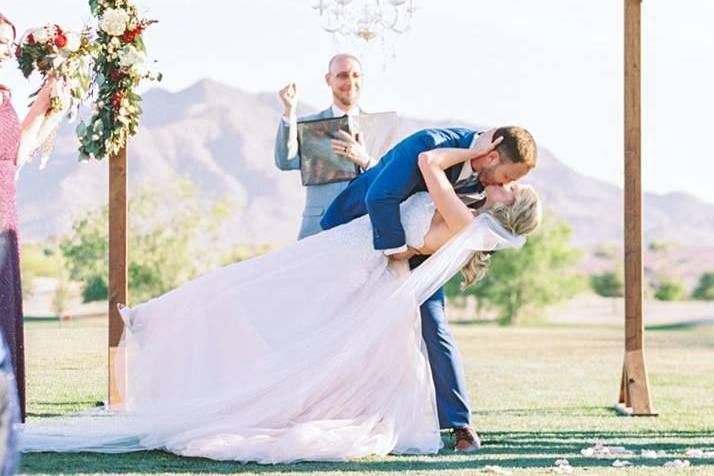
{"type": "Point", "coordinates": [244, 252]}
{"type": "Point", "coordinates": [39, 260]}
{"type": "Point", "coordinates": [608, 284]}
{"type": "Point", "coordinates": [671, 289]}
{"type": "Point", "coordinates": [96, 288]}
{"type": "Point", "coordinates": [657, 246]}
{"type": "Point", "coordinates": [608, 250]}
{"type": "Point", "coordinates": [705, 287]}
{"type": "Point", "coordinates": [540, 273]}
{"type": "Point", "coordinates": [167, 245]}
{"type": "Point", "coordinates": [62, 295]}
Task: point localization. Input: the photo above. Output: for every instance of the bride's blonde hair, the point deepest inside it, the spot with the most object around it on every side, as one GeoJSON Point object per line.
{"type": "Point", "coordinates": [521, 217]}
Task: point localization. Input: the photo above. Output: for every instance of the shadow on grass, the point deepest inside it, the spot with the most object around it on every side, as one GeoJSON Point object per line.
{"type": "Point", "coordinates": [505, 449]}
{"type": "Point", "coordinates": [681, 326]}
{"type": "Point", "coordinates": [550, 411]}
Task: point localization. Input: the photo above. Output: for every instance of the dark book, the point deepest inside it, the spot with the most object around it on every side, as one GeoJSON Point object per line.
{"type": "Point", "coordinates": [320, 165]}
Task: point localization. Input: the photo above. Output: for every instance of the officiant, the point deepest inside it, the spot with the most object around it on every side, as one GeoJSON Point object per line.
{"type": "Point", "coordinates": [344, 78]}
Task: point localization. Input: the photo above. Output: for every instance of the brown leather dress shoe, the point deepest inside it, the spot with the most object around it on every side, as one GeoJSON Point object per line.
{"type": "Point", "coordinates": [466, 440]}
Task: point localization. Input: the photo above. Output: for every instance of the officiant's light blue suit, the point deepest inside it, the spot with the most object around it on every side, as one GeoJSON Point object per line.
{"type": "Point", "coordinates": [317, 197]}
{"type": "Point", "coordinates": [378, 192]}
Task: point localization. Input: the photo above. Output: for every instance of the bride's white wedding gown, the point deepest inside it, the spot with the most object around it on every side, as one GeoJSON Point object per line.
{"type": "Point", "coordinates": [312, 352]}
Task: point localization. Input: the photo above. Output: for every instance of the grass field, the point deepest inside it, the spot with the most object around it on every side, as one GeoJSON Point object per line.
{"type": "Point", "coordinates": [538, 394]}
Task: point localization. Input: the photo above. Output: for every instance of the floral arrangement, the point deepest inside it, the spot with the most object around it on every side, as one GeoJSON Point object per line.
{"type": "Point", "coordinates": [119, 67]}
{"type": "Point", "coordinates": [105, 63]}
{"type": "Point", "coordinates": [62, 55]}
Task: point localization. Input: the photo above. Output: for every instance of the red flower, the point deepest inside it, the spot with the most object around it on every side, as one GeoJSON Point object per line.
{"type": "Point", "coordinates": [129, 36]}
{"type": "Point", "coordinates": [31, 39]}
{"type": "Point", "coordinates": [60, 40]}
{"type": "Point", "coordinates": [116, 100]}
{"type": "Point", "coordinates": [116, 75]}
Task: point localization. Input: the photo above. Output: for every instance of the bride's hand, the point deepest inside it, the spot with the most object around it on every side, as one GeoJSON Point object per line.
{"type": "Point", "coordinates": [485, 144]}
{"type": "Point", "coordinates": [400, 267]}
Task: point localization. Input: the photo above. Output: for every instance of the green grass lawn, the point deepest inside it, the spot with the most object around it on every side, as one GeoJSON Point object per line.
{"type": "Point", "coordinates": [538, 394]}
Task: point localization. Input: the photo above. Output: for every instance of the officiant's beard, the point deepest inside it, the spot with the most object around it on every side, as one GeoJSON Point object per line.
{"type": "Point", "coordinates": [346, 100]}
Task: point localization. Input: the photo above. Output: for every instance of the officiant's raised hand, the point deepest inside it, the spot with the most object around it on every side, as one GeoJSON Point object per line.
{"type": "Point", "coordinates": [289, 97]}
{"type": "Point", "coordinates": [351, 149]}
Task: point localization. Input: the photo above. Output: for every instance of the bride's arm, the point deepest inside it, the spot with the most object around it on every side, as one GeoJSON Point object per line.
{"type": "Point", "coordinates": [447, 157]}
{"type": "Point", "coordinates": [456, 215]}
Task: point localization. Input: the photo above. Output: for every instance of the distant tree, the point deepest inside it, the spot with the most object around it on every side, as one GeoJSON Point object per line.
{"type": "Point", "coordinates": [168, 245]}
{"type": "Point", "coordinates": [705, 287]}
{"type": "Point", "coordinates": [540, 273]}
{"type": "Point", "coordinates": [670, 289]}
{"type": "Point", "coordinates": [608, 284]}
{"type": "Point", "coordinates": [607, 250]}
{"type": "Point", "coordinates": [656, 246]}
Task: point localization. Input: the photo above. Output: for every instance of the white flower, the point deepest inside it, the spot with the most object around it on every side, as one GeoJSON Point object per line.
{"type": "Point", "coordinates": [73, 41]}
{"type": "Point", "coordinates": [562, 466]}
{"type": "Point", "coordinates": [130, 56]}
{"type": "Point", "coordinates": [677, 463]}
{"type": "Point", "coordinates": [57, 61]}
{"type": "Point", "coordinates": [114, 21]}
{"type": "Point", "coordinates": [141, 69]}
{"type": "Point", "coordinates": [42, 35]}
{"type": "Point", "coordinates": [621, 464]}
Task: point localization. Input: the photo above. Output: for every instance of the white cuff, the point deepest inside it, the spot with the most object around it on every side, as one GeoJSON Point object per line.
{"type": "Point", "coordinates": [370, 164]}
{"type": "Point", "coordinates": [289, 120]}
{"type": "Point", "coordinates": [394, 251]}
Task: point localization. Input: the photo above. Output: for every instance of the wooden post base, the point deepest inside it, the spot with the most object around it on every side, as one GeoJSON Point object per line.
{"type": "Point", "coordinates": [634, 387]}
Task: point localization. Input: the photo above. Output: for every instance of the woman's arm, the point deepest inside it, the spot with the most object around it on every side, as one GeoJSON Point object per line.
{"type": "Point", "coordinates": [32, 124]}
{"type": "Point", "coordinates": [456, 215]}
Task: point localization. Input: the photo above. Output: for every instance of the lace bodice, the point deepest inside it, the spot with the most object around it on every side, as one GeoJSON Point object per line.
{"type": "Point", "coordinates": [417, 212]}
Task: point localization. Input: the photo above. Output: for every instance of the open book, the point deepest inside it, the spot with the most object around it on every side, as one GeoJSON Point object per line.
{"type": "Point", "coordinates": [319, 164]}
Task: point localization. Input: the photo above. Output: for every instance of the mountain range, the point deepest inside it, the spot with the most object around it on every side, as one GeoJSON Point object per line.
{"type": "Point", "coordinates": [221, 138]}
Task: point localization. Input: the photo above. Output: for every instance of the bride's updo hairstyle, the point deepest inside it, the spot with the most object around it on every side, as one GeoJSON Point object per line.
{"type": "Point", "coordinates": [521, 217]}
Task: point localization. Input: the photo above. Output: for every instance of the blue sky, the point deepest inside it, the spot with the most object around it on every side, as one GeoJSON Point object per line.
{"type": "Point", "coordinates": [553, 66]}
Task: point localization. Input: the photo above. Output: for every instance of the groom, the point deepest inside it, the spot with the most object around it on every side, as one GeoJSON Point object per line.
{"type": "Point", "coordinates": [379, 191]}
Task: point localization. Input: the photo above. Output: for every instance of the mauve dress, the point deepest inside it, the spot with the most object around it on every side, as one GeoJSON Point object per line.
{"type": "Point", "coordinates": [11, 320]}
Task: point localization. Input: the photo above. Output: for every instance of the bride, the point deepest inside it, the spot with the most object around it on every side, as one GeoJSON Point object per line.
{"type": "Point", "coordinates": [312, 352]}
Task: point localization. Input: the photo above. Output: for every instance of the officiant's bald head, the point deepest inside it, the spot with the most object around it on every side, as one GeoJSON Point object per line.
{"type": "Point", "coordinates": [344, 77]}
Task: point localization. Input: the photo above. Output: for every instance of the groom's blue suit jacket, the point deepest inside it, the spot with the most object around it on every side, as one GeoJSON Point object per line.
{"type": "Point", "coordinates": [396, 177]}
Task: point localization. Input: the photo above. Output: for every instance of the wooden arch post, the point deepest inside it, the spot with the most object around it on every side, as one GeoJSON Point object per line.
{"type": "Point", "coordinates": [117, 266]}
{"type": "Point", "coordinates": [634, 387]}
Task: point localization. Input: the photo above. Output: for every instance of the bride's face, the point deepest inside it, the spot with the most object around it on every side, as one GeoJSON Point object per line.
{"type": "Point", "coordinates": [7, 38]}
{"type": "Point", "coordinates": [498, 194]}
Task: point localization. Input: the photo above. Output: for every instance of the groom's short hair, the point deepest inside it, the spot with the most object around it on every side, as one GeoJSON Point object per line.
{"type": "Point", "coordinates": [518, 145]}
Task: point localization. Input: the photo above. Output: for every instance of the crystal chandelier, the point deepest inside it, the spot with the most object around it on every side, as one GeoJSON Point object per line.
{"type": "Point", "coordinates": [365, 19]}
